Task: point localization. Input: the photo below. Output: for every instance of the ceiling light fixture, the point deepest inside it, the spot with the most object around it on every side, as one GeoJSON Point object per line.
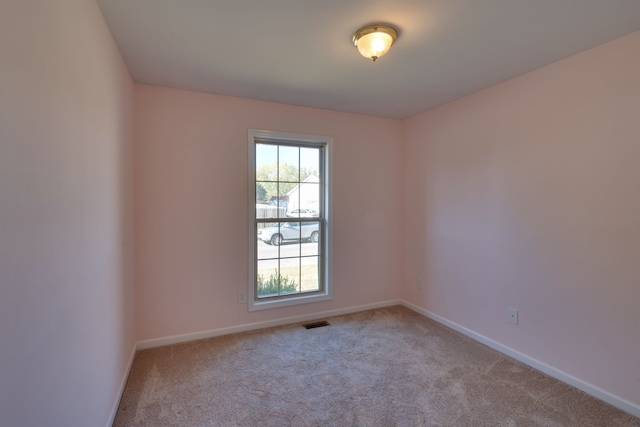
{"type": "Point", "coordinates": [375, 40]}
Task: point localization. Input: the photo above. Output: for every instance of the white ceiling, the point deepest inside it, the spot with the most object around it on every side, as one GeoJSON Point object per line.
{"type": "Point", "coordinates": [300, 51]}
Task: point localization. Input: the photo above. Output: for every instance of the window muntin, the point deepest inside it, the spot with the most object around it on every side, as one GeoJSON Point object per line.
{"type": "Point", "coordinates": [289, 221]}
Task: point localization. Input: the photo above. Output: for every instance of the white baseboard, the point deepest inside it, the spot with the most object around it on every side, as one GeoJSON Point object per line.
{"type": "Point", "coordinates": [123, 382]}
{"type": "Point", "coordinates": [594, 391]}
{"type": "Point", "coordinates": [159, 342]}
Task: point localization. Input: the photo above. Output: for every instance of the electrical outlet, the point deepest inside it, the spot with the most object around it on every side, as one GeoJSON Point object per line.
{"type": "Point", "coordinates": [513, 316]}
{"type": "Point", "coordinates": [242, 297]}
{"type": "Point", "coordinates": [419, 283]}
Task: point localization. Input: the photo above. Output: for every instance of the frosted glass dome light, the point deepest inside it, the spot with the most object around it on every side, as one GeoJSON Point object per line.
{"type": "Point", "coordinates": [373, 41]}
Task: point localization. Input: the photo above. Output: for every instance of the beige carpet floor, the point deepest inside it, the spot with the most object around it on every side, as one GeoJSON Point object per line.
{"type": "Point", "coordinates": [385, 367]}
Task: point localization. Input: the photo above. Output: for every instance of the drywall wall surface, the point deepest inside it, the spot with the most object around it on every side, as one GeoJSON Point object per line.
{"type": "Point", "coordinates": [66, 267]}
{"type": "Point", "coordinates": [191, 193]}
{"type": "Point", "coordinates": [526, 196]}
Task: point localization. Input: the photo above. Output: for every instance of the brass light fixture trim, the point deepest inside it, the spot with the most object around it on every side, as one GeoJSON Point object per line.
{"type": "Point", "coordinates": [375, 40]}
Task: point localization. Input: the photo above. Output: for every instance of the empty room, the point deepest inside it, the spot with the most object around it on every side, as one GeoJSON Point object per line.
{"type": "Point", "coordinates": [319, 213]}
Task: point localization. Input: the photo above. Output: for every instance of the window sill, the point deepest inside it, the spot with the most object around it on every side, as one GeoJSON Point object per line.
{"type": "Point", "coordinates": [288, 302]}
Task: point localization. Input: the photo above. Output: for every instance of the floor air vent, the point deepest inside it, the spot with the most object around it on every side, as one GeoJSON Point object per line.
{"type": "Point", "coordinates": [319, 324]}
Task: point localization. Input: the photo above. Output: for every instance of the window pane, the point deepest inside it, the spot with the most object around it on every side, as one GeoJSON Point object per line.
{"type": "Point", "coordinates": [310, 274]}
{"type": "Point", "coordinates": [267, 201]}
{"type": "Point", "coordinates": [289, 164]}
{"type": "Point", "coordinates": [269, 211]}
{"type": "Point", "coordinates": [291, 234]}
{"type": "Point", "coordinates": [264, 247]}
{"type": "Point", "coordinates": [308, 195]}
{"type": "Point", "coordinates": [266, 162]}
{"type": "Point", "coordinates": [309, 162]}
{"type": "Point", "coordinates": [284, 197]}
{"type": "Point", "coordinates": [289, 275]}
{"type": "Point", "coordinates": [304, 199]}
{"type": "Point", "coordinates": [261, 193]}
{"type": "Point", "coordinates": [310, 246]}
{"type": "Point", "coordinates": [269, 233]}
{"type": "Point", "coordinates": [268, 278]}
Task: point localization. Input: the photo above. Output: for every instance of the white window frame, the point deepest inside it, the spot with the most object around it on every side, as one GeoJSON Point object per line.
{"type": "Point", "coordinates": [255, 304]}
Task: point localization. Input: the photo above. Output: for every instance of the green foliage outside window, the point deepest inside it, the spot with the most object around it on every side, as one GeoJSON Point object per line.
{"type": "Point", "coordinates": [276, 285]}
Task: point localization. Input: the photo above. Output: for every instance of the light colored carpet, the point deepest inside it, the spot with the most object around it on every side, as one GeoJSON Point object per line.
{"type": "Point", "coordinates": [386, 367]}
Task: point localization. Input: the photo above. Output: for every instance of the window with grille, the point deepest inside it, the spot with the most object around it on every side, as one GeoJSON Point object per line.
{"type": "Point", "coordinates": [289, 219]}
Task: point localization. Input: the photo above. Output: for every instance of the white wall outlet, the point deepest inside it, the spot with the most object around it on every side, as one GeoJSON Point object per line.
{"type": "Point", "coordinates": [419, 283]}
{"type": "Point", "coordinates": [513, 316]}
{"type": "Point", "coordinates": [242, 297]}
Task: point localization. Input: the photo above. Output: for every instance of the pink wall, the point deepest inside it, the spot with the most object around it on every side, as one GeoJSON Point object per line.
{"type": "Point", "coordinates": [191, 207]}
{"type": "Point", "coordinates": [66, 255]}
{"type": "Point", "coordinates": [526, 195]}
